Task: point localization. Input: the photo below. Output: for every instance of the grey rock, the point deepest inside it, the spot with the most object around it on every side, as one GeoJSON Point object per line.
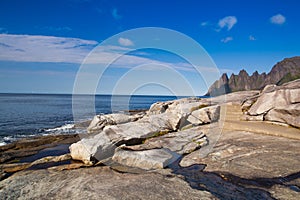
{"type": "Point", "coordinates": [253, 118]}
{"type": "Point", "coordinates": [289, 114]}
{"type": "Point", "coordinates": [234, 97]}
{"type": "Point", "coordinates": [100, 121]}
{"type": "Point", "coordinates": [181, 142]}
{"type": "Point", "coordinates": [147, 159]}
{"type": "Point", "coordinates": [278, 104]}
{"type": "Point", "coordinates": [158, 108]}
{"type": "Point", "coordinates": [102, 145]}
{"type": "Point", "coordinates": [96, 183]}
{"type": "Point", "coordinates": [204, 115]}
{"type": "Point", "coordinates": [87, 148]}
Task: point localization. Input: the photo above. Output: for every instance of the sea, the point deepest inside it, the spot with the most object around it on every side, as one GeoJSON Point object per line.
{"type": "Point", "coordinates": [27, 115]}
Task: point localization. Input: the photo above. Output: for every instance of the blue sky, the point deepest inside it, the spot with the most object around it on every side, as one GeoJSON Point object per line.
{"type": "Point", "coordinates": [43, 42]}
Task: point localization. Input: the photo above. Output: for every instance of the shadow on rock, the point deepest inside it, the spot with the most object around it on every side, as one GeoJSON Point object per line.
{"type": "Point", "coordinates": [219, 185]}
{"type": "Point", "coordinates": [266, 182]}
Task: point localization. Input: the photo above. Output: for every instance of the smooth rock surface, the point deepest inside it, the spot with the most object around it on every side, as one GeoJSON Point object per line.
{"type": "Point", "coordinates": [146, 159]}
{"type": "Point", "coordinates": [204, 115]}
{"type": "Point", "coordinates": [33, 145]}
{"type": "Point", "coordinates": [96, 183]}
{"type": "Point", "coordinates": [102, 145]}
{"type": "Point", "coordinates": [289, 114]}
{"type": "Point", "coordinates": [100, 121]}
{"type": "Point", "coordinates": [181, 142]}
{"type": "Point", "coordinates": [163, 117]}
{"type": "Point", "coordinates": [279, 104]}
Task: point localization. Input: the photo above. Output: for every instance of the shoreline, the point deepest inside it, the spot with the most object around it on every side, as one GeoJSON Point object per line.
{"type": "Point", "coordinates": [247, 161]}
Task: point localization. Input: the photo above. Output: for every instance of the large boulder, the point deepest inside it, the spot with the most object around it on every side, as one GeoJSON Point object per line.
{"type": "Point", "coordinates": [181, 142]}
{"type": "Point", "coordinates": [100, 121]}
{"type": "Point", "coordinates": [205, 115]}
{"type": "Point", "coordinates": [289, 114]}
{"type": "Point", "coordinates": [278, 104]}
{"type": "Point", "coordinates": [175, 116]}
{"type": "Point", "coordinates": [102, 145]}
{"type": "Point", "coordinates": [147, 159]}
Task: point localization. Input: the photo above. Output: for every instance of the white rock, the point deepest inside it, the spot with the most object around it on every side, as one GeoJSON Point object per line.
{"type": "Point", "coordinates": [204, 115]}
{"type": "Point", "coordinates": [148, 159]}
{"type": "Point", "coordinates": [100, 121]}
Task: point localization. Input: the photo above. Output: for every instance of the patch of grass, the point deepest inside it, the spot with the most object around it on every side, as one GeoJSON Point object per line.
{"type": "Point", "coordinates": [15, 161]}
{"type": "Point", "coordinates": [187, 127]}
{"type": "Point", "coordinates": [160, 133]}
{"type": "Point", "coordinates": [199, 107]}
{"type": "Point", "coordinates": [287, 78]}
{"type": "Point", "coordinates": [157, 134]}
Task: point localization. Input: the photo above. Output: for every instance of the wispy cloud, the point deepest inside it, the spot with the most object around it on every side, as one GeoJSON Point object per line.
{"type": "Point", "coordinates": [36, 48]}
{"type": "Point", "coordinates": [252, 38]}
{"type": "Point", "coordinates": [227, 22]}
{"type": "Point", "coordinates": [227, 39]}
{"type": "Point", "coordinates": [116, 14]}
{"type": "Point", "coordinates": [278, 19]}
{"type": "Point", "coordinates": [3, 30]}
{"type": "Point", "coordinates": [206, 23]}
{"type": "Point", "coordinates": [54, 28]}
{"type": "Point", "coordinates": [125, 42]}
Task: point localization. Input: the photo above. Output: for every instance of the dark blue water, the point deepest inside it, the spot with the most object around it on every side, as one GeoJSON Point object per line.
{"type": "Point", "coordinates": [24, 115]}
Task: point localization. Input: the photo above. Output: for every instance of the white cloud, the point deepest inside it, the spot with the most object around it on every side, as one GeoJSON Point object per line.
{"type": "Point", "coordinates": [252, 38]}
{"type": "Point", "coordinates": [204, 23]}
{"type": "Point", "coordinates": [54, 28]}
{"type": "Point", "coordinates": [36, 48]}
{"type": "Point", "coordinates": [227, 39]}
{"type": "Point", "coordinates": [3, 30]}
{"type": "Point", "coordinates": [125, 42]}
{"type": "Point", "coordinates": [116, 14]}
{"type": "Point", "coordinates": [278, 19]}
{"type": "Point", "coordinates": [227, 22]}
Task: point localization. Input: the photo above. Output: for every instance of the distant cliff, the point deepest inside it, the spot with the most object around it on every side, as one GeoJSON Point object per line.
{"type": "Point", "coordinates": [284, 71]}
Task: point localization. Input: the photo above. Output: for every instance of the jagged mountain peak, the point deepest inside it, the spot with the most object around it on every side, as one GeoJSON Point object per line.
{"type": "Point", "coordinates": [284, 71]}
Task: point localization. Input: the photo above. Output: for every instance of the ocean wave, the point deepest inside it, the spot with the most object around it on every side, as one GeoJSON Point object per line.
{"type": "Point", "coordinates": [67, 128]}
{"type": "Point", "coordinates": [2, 143]}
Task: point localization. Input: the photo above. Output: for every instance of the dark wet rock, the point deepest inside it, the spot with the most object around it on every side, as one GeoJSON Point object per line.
{"type": "Point", "coordinates": [15, 167]}
{"type": "Point", "coordinates": [31, 146]}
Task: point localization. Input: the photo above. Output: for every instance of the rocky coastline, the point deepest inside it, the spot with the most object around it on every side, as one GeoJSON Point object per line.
{"type": "Point", "coordinates": [243, 145]}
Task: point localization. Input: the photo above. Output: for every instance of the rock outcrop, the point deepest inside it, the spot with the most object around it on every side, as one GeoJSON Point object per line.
{"type": "Point", "coordinates": [276, 104]}
{"type": "Point", "coordinates": [146, 159]}
{"type": "Point", "coordinates": [246, 162]}
{"type": "Point", "coordinates": [283, 72]}
{"type": "Point", "coordinates": [162, 118]}
{"type": "Point", "coordinates": [100, 121]}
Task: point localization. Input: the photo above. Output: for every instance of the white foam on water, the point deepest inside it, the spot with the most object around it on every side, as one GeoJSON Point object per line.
{"type": "Point", "coordinates": [2, 143]}
{"type": "Point", "coordinates": [62, 129]}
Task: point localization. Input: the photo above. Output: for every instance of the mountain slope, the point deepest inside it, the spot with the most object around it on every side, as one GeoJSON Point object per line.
{"type": "Point", "coordinates": [284, 71]}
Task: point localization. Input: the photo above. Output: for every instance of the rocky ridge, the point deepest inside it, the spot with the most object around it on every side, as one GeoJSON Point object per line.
{"type": "Point", "coordinates": [283, 72]}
